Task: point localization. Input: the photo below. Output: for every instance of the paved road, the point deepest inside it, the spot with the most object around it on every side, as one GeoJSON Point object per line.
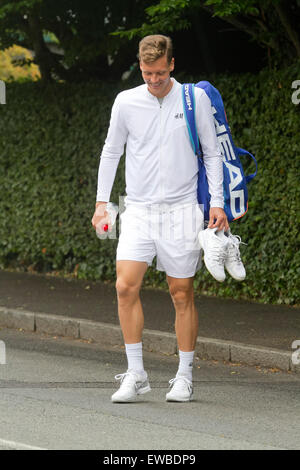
{"type": "Point", "coordinates": [55, 394]}
{"type": "Point", "coordinates": [273, 326]}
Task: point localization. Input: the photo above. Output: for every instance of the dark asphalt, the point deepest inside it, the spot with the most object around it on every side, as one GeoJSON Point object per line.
{"type": "Point", "coordinates": [272, 326]}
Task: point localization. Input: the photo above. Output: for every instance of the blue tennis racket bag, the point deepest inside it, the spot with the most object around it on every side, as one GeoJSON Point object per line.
{"type": "Point", "coordinates": [234, 180]}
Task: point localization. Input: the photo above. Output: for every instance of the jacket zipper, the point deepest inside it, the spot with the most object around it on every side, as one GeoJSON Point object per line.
{"type": "Point", "coordinates": [160, 154]}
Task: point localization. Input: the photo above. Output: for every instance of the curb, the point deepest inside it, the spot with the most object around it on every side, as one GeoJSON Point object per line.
{"type": "Point", "coordinates": [153, 340]}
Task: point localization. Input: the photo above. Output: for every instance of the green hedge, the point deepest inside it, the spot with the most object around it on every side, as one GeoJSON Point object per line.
{"type": "Point", "coordinates": [51, 141]}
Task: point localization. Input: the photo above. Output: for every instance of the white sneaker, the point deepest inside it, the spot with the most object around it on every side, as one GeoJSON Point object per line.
{"type": "Point", "coordinates": [132, 384]}
{"type": "Point", "coordinates": [215, 245]}
{"type": "Point", "coordinates": [233, 262]}
{"type": "Point", "coordinates": [181, 389]}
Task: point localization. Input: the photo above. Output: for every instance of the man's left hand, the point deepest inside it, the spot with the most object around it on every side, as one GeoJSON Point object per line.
{"type": "Point", "coordinates": [217, 218]}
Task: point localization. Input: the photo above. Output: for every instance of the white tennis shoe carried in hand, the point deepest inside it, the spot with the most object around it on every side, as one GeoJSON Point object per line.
{"type": "Point", "coordinates": [233, 262]}
{"type": "Point", "coordinates": [222, 250]}
{"type": "Point", "coordinates": [215, 247]}
{"type": "Point", "coordinates": [132, 385]}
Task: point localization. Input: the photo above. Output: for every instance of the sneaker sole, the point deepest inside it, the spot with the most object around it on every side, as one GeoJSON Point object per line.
{"type": "Point", "coordinates": [184, 400]}
{"type": "Point", "coordinates": [141, 391]}
{"type": "Point", "coordinates": [200, 238]}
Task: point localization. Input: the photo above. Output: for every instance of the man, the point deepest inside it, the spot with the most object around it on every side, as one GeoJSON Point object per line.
{"type": "Point", "coordinates": [161, 186]}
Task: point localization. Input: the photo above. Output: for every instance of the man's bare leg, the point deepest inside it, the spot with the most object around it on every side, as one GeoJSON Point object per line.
{"type": "Point", "coordinates": [186, 323]}
{"type": "Point", "coordinates": [129, 280]}
{"type": "Point", "coordinates": [186, 327]}
{"type": "Point", "coordinates": [130, 276]}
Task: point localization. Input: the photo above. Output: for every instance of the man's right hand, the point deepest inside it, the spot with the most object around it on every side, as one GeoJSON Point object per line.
{"type": "Point", "coordinates": [100, 218]}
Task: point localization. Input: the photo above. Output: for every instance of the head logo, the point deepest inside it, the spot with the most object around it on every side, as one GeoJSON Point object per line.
{"type": "Point", "coordinates": [188, 98]}
{"type": "Point", "coordinates": [2, 93]}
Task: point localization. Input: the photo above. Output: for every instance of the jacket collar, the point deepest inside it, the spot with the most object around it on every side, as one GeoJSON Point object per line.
{"type": "Point", "coordinates": [176, 86]}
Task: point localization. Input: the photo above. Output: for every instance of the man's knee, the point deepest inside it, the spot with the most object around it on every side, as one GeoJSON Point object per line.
{"type": "Point", "coordinates": [130, 276]}
{"type": "Point", "coordinates": [127, 289]}
{"type": "Point", "coordinates": [181, 293]}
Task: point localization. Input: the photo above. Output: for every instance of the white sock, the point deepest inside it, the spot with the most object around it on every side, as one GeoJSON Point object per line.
{"type": "Point", "coordinates": [186, 364]}
{"type": "Point", "coordinates": [134, 354]}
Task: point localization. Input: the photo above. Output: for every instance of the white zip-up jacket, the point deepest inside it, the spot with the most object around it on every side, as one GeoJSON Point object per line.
{"type": "Point", "coordinates": [161, 166]}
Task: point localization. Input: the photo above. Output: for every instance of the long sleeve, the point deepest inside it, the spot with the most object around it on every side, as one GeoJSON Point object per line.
{"type": "Point", "coordinates": [212, 156]}
{"type": "Point", "coordinates": [111, 153]}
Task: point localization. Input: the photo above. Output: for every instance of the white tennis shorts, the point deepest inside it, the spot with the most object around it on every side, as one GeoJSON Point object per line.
{"type": "Point", "coordinates": [169, 232]}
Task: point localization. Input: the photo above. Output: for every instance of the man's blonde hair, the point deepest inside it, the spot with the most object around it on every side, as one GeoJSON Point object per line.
{"type": "Point", "coordinates": [152, 48]}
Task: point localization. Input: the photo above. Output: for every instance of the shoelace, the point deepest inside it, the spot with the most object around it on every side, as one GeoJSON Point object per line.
{"type": "Point", "coordinates": [235, 241]}
{"type": "Point", "coordinates": [131, 378]}
{"type": "Point", "coordinates": [121, 377]}
{"type": "Point", "coordinates": [218, 254]}
{"type": "Point", "coordinates": [187, 381]}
